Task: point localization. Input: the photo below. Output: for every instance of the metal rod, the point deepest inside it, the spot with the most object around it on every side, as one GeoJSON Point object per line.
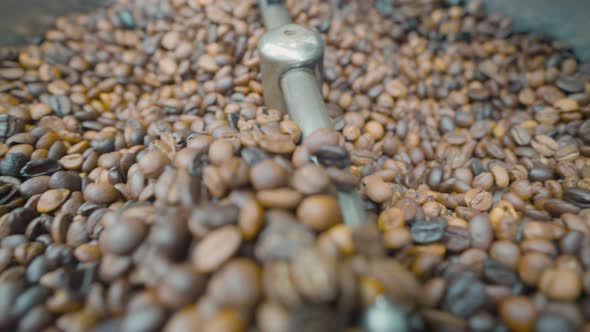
{"type": "Point", "coordinates": [274, 13]}
{"type": "Point", "coordinates": [305, 105]}
{"type": "Point", "coordinates": [304, 102]}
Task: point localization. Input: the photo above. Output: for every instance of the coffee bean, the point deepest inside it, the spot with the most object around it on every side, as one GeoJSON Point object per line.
{"type": "Point", "coordinates": [480, 230]}
{"type": "Point", "coordinates": [100, 193]}
{"type": "Point", "coordinates": [30, 298]}
{"type": "Point", "coordinates": [180, 286]}
{"type": "Point", "coordinates": [465, 295]}
{"type": "Point", "coordinates": [499, 274]}
{"type": "Point", "coordinates": [553, 322]}
{"type": "Point", "coordinates": [217, 247]}
{"type": "Point", "coordinates": [282, 237]}
{"type": "Point", "coordinates": [310, 179]}
{"type": "Point", "coordinates": [319, 212]}
{"type": "Point", "coordinates": [214, 215]}
{"type": "Point", "coordinates": [150, 318]}
{"type": "Point", "coordinates": [560, 284]}
{"type": "Point", "coordinates": [456, 238]}
{"type": "Point", "coordinates": [123, 237]}
{"type": "Point", "coordinates": [577, 196]}
{"type": "Point", "coordinates": [36, 319]}
{"type": "Point", "coordinates": [518, 312]}
{"type": "Point", "coordinates": [152, 163]}
{"type": "Point", "coordinates": [268, 174]}
{"type": "Point", "coordinates": [34, 186]}
{"type": "Point", "coordinates": [52, 199]}
{"type": "Point", "coordinates": [38, 167]}
{"type": "Point", "coordinates": [238, 284]}
{"type": "Point", "coordinates": [428, 231]}
{"type": "Point", "coordinates": [67, 180]}
{"type": "Point", "coordinates": [12, 164]}
{"type": "Point", "coordinates": [404, 290]}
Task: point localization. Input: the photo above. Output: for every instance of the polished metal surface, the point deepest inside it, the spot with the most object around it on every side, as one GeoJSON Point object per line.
{"type": "Point", "coordinates": [274, 13]}
{"type": "Point", "coordinates": [282, 49]}
{"type": "Point", "coordinates": [303, 101]}
{"type": "Point", "coordinates": [352, 208]}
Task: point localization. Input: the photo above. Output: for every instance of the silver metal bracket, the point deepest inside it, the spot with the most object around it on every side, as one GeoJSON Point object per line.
{"type": "Point", "coordinates": [285, 48]}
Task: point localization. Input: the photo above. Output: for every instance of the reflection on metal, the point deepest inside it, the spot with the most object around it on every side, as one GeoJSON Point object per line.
{"type": "Point", "coordinates": [285, 48]}
{"type": "Point", "coordinates": [384, 316]}
{"type": "Point", "coordinates": [274, 13]}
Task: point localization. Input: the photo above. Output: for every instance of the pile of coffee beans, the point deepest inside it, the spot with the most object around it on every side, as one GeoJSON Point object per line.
{"type": "Point", "coordinates": [145, 187]}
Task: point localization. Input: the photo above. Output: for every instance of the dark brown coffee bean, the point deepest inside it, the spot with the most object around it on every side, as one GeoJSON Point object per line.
{"type": "Point", "coordinates": [30, 298]}
{"type": "Point", "coordinates": [456, 238]}
{"type": "Point", "coordinates": [540, 173]}
{"type": "Point", "coordinates": [36, 319]}
{"type": "Point", "coordinates": [38, 167]}
{"type": "Point", "coordinates": [518, 312]}
{"type": "Point", "coordinates": [237, 284]}
{"type": "Point", "coordinates": [10, 125]}
{"type": "Point", "coordinates": [465, 295]}
{"type": "Point", "coordinates": [577, 196]}
{"type": "Point", "coordinates": [282, 237]}
{"type": "Point", "coordinates": [36, 269]}
{"type": "Point", "coordinates": [100, 193]}
{"type": "Point", "coordinates": [405, 290]}
{"type": "Point", "coordinates": [34, 186]}
{"type": "Point", "coordinates": [148, 319]}
{"type": "Point", "coordinates": [559, 207]}
{"type": "Point", "coordinates": [65, 179]}
{"type": "Point", "coordinates": [428, 231]}
{"type": "Point", "coordinates": [123, 237]}
{"type": "Point", "coordinates": [306, 264]}
{"type": "Point", "coordinates": [214, 216]}
{"type": "Point", "coordinates": [12, 164]}
{"type": "Point", "coordinates": [216, 248]}
{"type": "Point", "coordinates": [547, 322]}
{"type": "Point", "coordinates": [180, 286]}
{"type": "Point", "coordinates": [9, 292]}
{"type": "Point", "coordinates": [499, 274]}
{"type": "Point", "coordinates": [480, 230]}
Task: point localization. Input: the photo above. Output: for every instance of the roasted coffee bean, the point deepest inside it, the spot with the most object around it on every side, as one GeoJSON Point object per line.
{"type": "Point", "coordinates": [149, 318]}
{"type": "Point", "coordinates": [10, 125]}
{"type": "Point", "coordinates": [518, 312]}
{"type": "Point", "coordinates": [319, 212]}
{"type": "Point", "coordinates": [123, 237]}
{"type": "Point", "coordinates": [499, 274]}
{"type": "Point", "coordinates": [12, 164]}
{"type": "Point", "coordinates": [67, 180]}
{"type": "Point", "coordinates": [35, 186]}
{"type": "Point", "coordinates": [428, 231]}
{"type": "Point", "coordinates": [216, 248]}
{"type": "Point", "coordinates": [214, 215]}
{"type": "Point", "coordinates": [465, 295]}
{"type": "Point", "coordinates": [332, 156]}
{"type": "Point", "coordinates": [142, 178]}
{"type": "Point", "coordinates": [547, 322]}
{"type": "Point", "coordinates": [282, 237]}
{"type": "Point", "coordinates": [40, 167]}
{"type": "Point", "coordinates": [456, 238]}
{"type": "Point", "coordinates": [577, 196]}
{"type": "Point", "coordinates": [180, 286]}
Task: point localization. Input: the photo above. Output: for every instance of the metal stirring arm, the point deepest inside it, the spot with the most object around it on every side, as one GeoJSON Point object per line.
{"type": "Point", "coordinates": [291, 59]}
